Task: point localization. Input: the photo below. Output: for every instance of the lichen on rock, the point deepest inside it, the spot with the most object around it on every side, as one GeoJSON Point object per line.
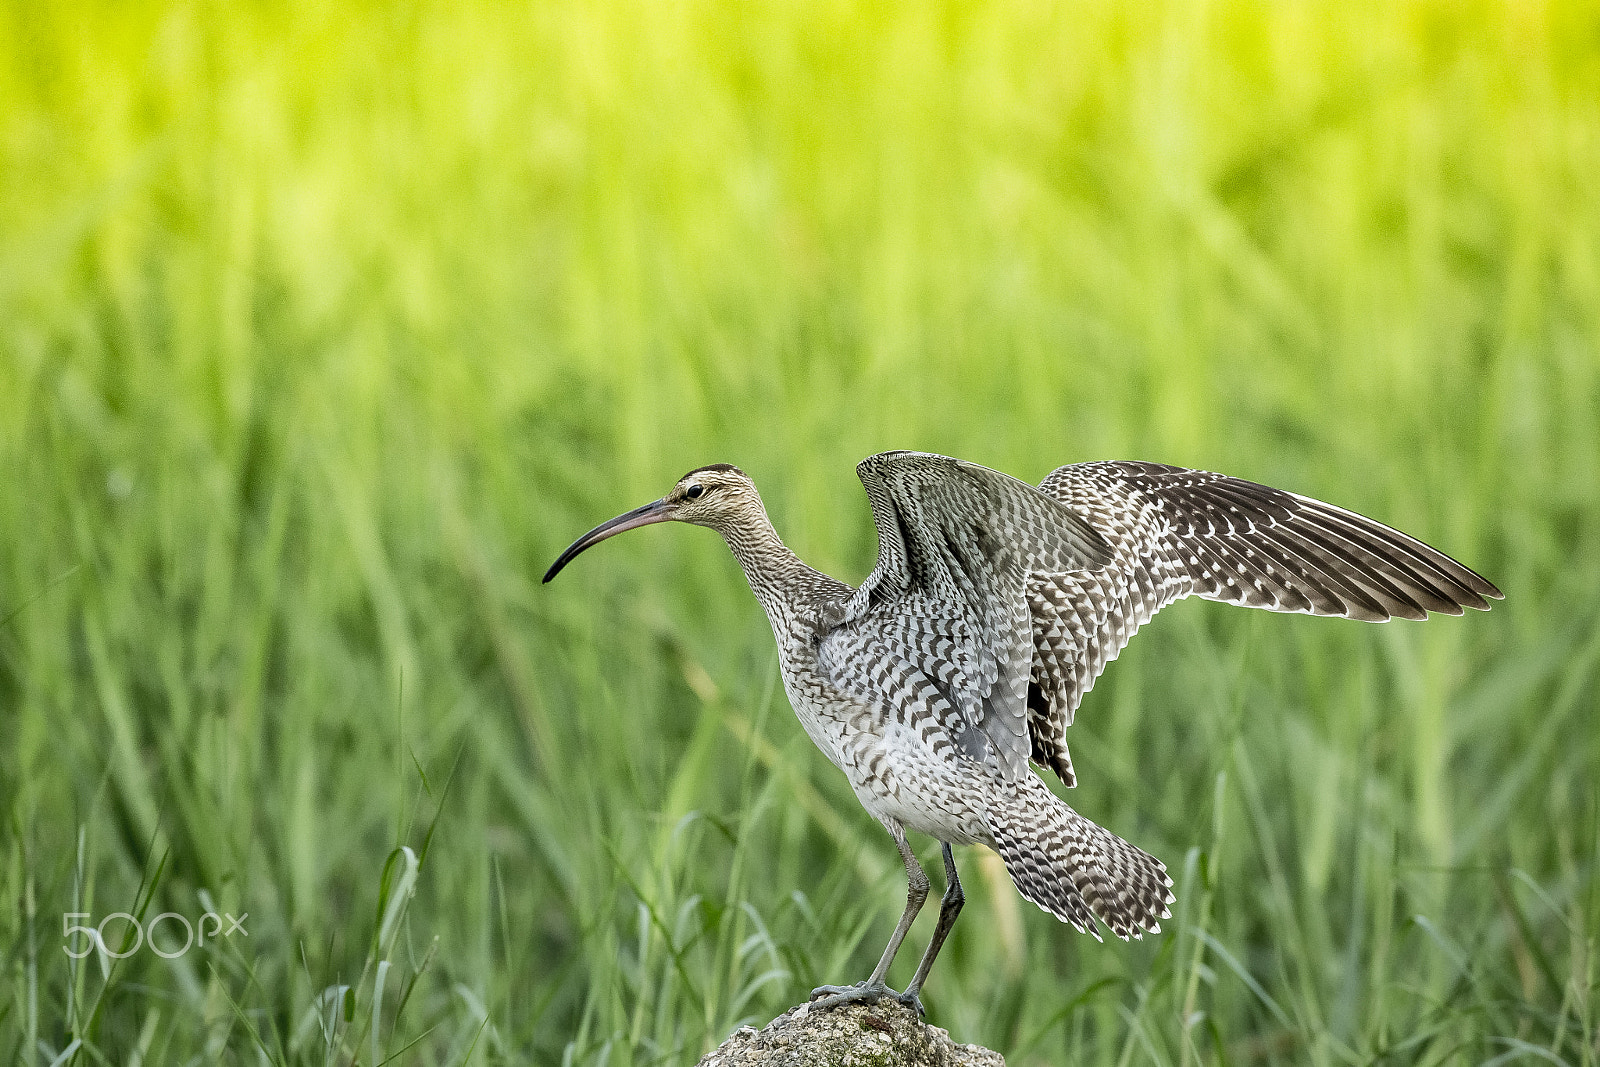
{"type": "Point", "coordinates": [882, 1034]}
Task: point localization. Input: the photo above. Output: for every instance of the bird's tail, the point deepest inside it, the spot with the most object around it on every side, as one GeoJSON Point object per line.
{"type": "Point", "coordinates": [1074, 869]}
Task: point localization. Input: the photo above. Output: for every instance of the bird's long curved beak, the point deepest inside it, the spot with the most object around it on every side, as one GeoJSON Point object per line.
{"type": "Point", "coordinates": [655, 511]}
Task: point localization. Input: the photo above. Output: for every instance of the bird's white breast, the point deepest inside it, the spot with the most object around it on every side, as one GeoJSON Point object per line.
{"type": "Point", "coordinates": [892, 768]}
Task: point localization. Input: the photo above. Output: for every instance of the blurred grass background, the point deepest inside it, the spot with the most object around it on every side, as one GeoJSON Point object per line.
{"type": "Point", "coordinates": [323, 327]}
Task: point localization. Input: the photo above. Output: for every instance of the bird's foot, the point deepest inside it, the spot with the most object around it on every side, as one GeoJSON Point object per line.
{"type": "Point", "coordinates": [832, 996]}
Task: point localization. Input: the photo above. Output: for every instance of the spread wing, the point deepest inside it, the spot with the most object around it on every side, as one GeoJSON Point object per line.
{"type": "Point", "coordinates": [1176, 532]}
{"type": "Point", "coordinates": [941, 630]}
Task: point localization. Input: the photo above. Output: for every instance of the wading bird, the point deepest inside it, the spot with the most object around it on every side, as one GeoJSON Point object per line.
{"type": "Point", "coordinates": [993, 608]}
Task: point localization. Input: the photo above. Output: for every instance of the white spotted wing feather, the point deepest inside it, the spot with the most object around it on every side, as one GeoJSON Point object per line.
{"type": "Point", "coordinates": [1175, 532]}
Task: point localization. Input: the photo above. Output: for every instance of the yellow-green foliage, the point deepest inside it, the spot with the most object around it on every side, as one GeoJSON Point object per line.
{"type": "Point", "coordinates": [324, 326]}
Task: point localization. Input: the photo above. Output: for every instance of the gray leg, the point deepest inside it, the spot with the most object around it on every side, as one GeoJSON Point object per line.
{"type": "Point", "coordinates": [949, 908]}
{"type": "Point", "coordinates": [916, 893]}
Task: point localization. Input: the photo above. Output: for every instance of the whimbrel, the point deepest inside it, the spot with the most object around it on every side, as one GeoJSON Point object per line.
{"type": "Point", "coordinates": [993, 608]}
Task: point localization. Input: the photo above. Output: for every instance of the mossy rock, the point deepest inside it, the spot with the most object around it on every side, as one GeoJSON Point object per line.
{"type": "Point", "coordinates": [883, 1034]}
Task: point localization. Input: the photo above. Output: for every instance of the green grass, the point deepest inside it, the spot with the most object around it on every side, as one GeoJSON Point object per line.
{"type": "Point", "coordinates": [323, 328]}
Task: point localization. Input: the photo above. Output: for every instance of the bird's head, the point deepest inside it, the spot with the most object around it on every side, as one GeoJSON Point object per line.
{"type": "Point", "coordinates": [717, 496]}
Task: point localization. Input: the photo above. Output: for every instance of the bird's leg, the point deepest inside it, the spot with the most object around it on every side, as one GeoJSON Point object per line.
{"type": "Point", "coordinates": [875, 986]}
{"type": "Point", "coordinates": [949, 908]}
{"type": "Point", "coordinates": [916, 894]}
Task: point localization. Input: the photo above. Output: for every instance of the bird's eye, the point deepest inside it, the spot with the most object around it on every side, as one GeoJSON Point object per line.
{"type": "Point", "coordinates": [694, 492]}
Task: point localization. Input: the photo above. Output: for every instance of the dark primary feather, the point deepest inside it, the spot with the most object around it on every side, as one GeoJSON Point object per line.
{"type": "Point", "coordinates": [1176, 532]}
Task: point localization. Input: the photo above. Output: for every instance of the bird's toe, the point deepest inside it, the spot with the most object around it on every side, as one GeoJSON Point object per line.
{"type": "Point", "coordinates": [835, 990]}
{"type": "Point", "coordinates": [832, 996]}
{"type": "Point", "coordinates": [911, 1000]}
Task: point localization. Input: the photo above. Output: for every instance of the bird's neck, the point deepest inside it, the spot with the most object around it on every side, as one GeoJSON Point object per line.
{"type": "Point", "coordinates": [776, 575]}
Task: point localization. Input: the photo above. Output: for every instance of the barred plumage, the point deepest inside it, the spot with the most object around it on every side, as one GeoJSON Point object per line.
{"type": "Point", "coordinates": [1070, 867]}
{"type": "Point", "coordinates": [993, 608]}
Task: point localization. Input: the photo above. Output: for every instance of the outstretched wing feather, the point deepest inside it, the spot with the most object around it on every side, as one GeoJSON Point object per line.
{"type": "Point", "coordinates": [1176, 532]}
